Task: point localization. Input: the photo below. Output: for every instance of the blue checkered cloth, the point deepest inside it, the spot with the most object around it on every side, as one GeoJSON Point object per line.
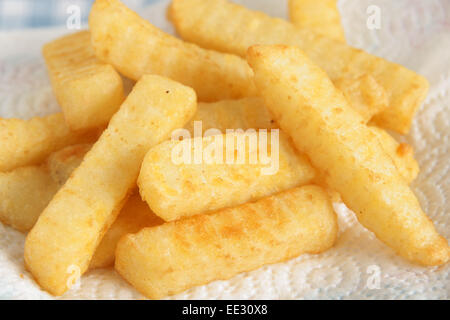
{"type": "Point", "coordinates": [19, 14]}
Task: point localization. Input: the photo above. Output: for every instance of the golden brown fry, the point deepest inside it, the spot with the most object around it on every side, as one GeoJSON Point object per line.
{"type": "Point", "coordinates": [62, 163]}
{"type": "Point", "coordinates": [175, 256]}
{"type": "Point", "coordinates": [401, 153]}
{"type": "Point", "coordinates": [233, 114]}
{"type": "Point", "coordinates": [365, 95]}
{"type": "Point", "coordinates": [88, 91]}
{"type": "Point", "coordinates": [29, 142]}
{"type": "Point", "coordinates": [243, 114]}
{"type": "Point", "coordinates": [321, 16]}
{"type": "Point", "coordinates": [24, 194]}
{"type": "Point", "coordinates": [318, 118]}
{"type": "Point", "coordinates": [227, 27]}
{"type": "Point", "coordinates": [178, 189]}
{"type": "Point", "coordinates": [134, 216]}
{"type": "Point", "coordinates": [70, 228]}
{"type": "Point", "coordinates": [135, 47]}
{"type": "Point", "coordinates": [168, 12]}
{"type": "Point", "coordinates": [252, 113]}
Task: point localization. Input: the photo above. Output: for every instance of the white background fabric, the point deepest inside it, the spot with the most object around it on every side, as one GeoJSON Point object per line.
{"type": "Point", "coordinates": [415, 33]}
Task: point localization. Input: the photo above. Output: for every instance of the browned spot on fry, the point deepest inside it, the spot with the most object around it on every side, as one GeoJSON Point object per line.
{"type": "Point", "coordinates": [404, 149]}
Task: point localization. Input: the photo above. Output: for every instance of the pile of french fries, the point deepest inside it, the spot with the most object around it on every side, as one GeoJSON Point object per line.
{"type": "Point", "coordinates": [95, 185]}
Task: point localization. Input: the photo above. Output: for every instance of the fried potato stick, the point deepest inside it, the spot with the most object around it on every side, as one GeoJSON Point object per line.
{"type": "Point", "coordinates": [401, 153]}
{"type": "Point", "coordinates": [30, 142]}
{"type": "Point", "coordinates": [250, 113]}
{"type": "Point", "coordinates": [62, 163]}
{"type": "Point", "coordinates": [228, 27]}
{"type": "Point", "coordinates": [24, 194]}
{"type": "Point", "coordinates": [321, 16]}
{"type": "Point", "coordinates": [365, 95]}
{"type": "Point", "coordinates": [70, 228]}
{"type": "Point", "coordinates": [88, 91]}
{"type": "Point", "coordinates": [243, 113]}
{"type": "Point", "coordinates": [135, 47]}
{"type": "Point", "coordinates": [134, 216]}
{"type": "Point", "coordinates": [323, 126]}
{"type": "Point", "coordinates": [175, 189]}
{"type": "Point", "coordinates": [175, 256]}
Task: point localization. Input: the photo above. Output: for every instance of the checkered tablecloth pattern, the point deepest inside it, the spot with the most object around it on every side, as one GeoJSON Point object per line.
{"type": "Point", "coordinates": [19, 14]}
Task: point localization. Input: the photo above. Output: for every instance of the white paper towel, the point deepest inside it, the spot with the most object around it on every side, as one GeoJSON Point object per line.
{"type": "Point", "coordinates": [415, 33]}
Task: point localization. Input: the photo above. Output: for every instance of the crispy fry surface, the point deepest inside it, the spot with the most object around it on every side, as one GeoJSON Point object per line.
{"type": "Point", "coordinates": [24, 194]}
{"type": "Point", "coordinates": [321, 16]}
{"type": "Point", "coordinates": [175, 256]}
{"type": "Point", "coordinates": [29, 142]}
{"type": "Point", "coordinates": [88, 91]}
{"type": "Point", "coordinates": [135, 47]}
{"type": "Point", "coordinates": [134, 216]}
{"type": "Point", "coordinates": [203, 22]}
{"type": "Point", "coordinates": [244, 113]}
{"type": "Point", "coordinates": [62, 163]}
{"type": "Point", "coordinates": [174, 190]}
{"type": "Point", "coordinates": [339, 144]}
{"type": "Point", "coordinates": [252, 113]}
{"type": "Point", "coordinates": [401, 153]}
{"type": "Point", "coordinates": [70, 228]}
{"type": "Point", "coordinates": [365, 95]}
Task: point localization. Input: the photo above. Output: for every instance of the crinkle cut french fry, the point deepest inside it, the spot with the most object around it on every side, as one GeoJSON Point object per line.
{"type": "Point", "coordinates": [250, 113]}
{"type": "Point", "coordinates": [24, 194]}
{"type": "Point", "coordinates": [244, 113]}
{"type": "Point", "coordinates": [401, 153]}
{"type": "Point", "coordinates": [135, 47]}
{"type": "Point", "coordinates": [70, 228]}
{"type": "Point", "coordinates": [228, 27]}
{"type": "Point", "coordinates": [365, 95]}
{"type": "Point", "coordinates": [174, 190]}
{"type": "Point", "coordinates": [29, 142]}
{"type": "Point", "coordinates": [343, 149]}
{"type": "Point", "coordinates": [134, 216]}
{"type": "Point", "coordinates": [175, 256]}
{"type": "Point", "coordinates": [321, 16]}
{"type": "Point", "coordinates": [88, 91]}
{"type": "Point", "coordinates": [62, 163]}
